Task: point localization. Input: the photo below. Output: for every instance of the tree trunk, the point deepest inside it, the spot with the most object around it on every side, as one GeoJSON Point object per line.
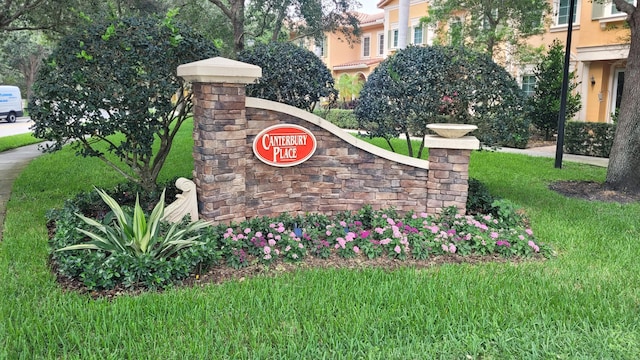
{"type": "Point", "coordinates": [623, 172]}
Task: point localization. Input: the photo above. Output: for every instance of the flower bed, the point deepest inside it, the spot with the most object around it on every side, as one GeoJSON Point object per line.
{"type": "Point", "coordinates": [366, 234]}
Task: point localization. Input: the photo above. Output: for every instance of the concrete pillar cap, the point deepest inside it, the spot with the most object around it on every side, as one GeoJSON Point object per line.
{"type": "Point", "coordinates": [220, 70]}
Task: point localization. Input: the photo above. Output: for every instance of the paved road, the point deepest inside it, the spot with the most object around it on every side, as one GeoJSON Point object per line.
{"type": "Point", "coordinates": [21, 126]}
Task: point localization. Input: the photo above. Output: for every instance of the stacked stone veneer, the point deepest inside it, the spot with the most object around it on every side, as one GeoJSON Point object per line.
{"type": "Point", "coordinates": [343, 174]}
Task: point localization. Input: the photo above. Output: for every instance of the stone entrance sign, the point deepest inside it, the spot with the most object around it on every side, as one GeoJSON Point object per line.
{"type": "Point", "coordinates": [344, 173]}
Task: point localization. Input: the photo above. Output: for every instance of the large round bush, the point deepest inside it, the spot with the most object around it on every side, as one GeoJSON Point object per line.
{"type": "Point", "coordinates": [421, 85]}
{"type": "Point", "coordinates": [118, 77]}
{"type": "Point", "coordinates": [290, 75]}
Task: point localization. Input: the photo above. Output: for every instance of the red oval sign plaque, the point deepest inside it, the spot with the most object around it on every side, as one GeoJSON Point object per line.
{"type": "Point", "coordinates": [284, 145]}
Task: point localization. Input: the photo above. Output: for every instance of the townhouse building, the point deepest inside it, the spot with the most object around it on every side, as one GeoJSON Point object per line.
{"type": "Point", "coordinates": [599, 48]}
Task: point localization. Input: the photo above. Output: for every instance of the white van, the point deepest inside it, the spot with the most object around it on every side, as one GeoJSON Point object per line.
{"type": "Point", "coordinates": [10, 103]}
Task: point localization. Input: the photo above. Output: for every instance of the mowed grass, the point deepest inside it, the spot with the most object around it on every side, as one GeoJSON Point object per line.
{"type": "Point", "coordinates": [585, 303]}
{"type": "Point", "coordinates": [15, 141]}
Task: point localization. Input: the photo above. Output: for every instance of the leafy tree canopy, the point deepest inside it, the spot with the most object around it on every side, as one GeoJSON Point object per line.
{"type": "Point", "coordinates": [290, 74]}
{"type": "Point", "coordinates": [483, 25]}
{"type": "Point", "coordinates": [421, 85]}
{"type": "Point", "coordinates": [118, 78]}
{"type": "Point", "coordinates": [303, 18]}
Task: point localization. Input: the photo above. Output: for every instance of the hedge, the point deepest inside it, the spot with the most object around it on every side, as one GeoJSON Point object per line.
{"type": "Point", "coordinates": [589, 138]}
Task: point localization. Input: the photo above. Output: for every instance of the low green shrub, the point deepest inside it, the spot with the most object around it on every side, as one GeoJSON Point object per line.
{"type": "Point", "coordinates": [589, 138]}
{"type": "Point", "coordinates": [339, 117]}
{"type": "Point", "coordinates": [367, 233]}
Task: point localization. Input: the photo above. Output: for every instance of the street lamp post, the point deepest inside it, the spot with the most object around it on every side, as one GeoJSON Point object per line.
{"type": "Point", "coordinates": [564, 89]}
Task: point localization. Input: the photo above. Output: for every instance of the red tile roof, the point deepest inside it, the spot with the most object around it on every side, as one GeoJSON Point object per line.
{"type": "Point", "coordinates": [359, 64]}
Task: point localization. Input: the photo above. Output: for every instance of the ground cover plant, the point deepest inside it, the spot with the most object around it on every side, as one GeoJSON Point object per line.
{"type": "Point", "coordinates": [582, 304]}
{"type": "Point", "coordinates": [127, 259]}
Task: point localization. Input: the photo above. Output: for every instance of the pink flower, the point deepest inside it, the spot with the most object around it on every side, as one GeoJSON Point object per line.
{"type": "Point", "coordinates": [390, 221]}
{"type": "Point", "coordinates": [267, 257]}
{"type": "Point", "coordinates": [342, 242]}
{"type": "Point", "coordinates": [414, 216]}
{"type": "Point", "coordinates": [445, 248]}
{"type": "Point", "coordinates": [533, 245]}
{"type": "Point", "coordinates": [356, 249]}
{"type": "Point", "coordinates": [267, 250]}
{"type": "Point", "coordinates": [272, 226]}
{"type": "Point", "coordinates": [452, 248]}
{"type": "Point", "coordinates": [300, 246]}
{"type": "Point", "coordinates": [494, 235]}
{"type": "Point", "coordinates": [272, 242]}
{"type": "Point", "coordinates": [424, 215]}
{"type": "Point", "coordinates": [287, 248]}
{"type": "Point", "coordinates": [295, 256]}
{"type": "Point", "coordinates": [385, 241]}
{"type": "Point", "coordinates": [247, 231]}
{"type": "Point", "coordinates": [397, 249]}
{"type": "Point", "coordinates": [379, 230]}
{"type": "Point", "coordinates": [259, 234]}
{"type": "Point", "coordinates": [328, 233]}
{"type": "Point", "coordinates": [364, 234]}
{"type": "Point", "coordinates": [529, 232]}
{"type": "Point", "coordinates": [343, 224]}
{"type": "Point", "coordinates": [280, 229]}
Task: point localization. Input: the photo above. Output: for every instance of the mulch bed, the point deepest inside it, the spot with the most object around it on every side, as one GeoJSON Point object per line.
{"type": "Point", "coordinates": [592, 191]}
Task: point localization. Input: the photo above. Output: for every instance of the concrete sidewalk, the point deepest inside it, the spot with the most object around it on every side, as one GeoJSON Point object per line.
{"type": "Point", "coordinates": [550, 152]}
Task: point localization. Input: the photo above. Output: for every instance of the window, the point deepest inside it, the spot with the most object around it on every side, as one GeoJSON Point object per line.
{"type": "Point", "coordinates": [320, 47]}
{"type": "Point", "coordinates": [380, 44]}
{"type": "Point", "coordinates": [529, 84]}
{"type": "Point", "coordinates": [561, 13]}
{"type": "Point", "coordinates": [417, 35]}
{"type": "Point", "coordinates": [614, 11]}
{"type": "Point", "coordinates": [394, 33]}
{"type": "Point", "coordinates": [366, 46]}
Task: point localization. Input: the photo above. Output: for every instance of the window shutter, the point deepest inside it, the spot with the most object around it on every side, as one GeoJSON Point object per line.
{"type": "Point", "coordinates": [597, 10]}
{"type": "Point", "coordinates": [390, 39]}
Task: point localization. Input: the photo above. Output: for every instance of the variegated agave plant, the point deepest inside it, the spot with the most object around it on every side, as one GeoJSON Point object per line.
{"type": "Point", "coordinates": [133, 233]}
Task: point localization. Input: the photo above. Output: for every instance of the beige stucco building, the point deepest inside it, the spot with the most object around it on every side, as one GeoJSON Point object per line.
{"type": "Point", "coordinates": [599, 48]}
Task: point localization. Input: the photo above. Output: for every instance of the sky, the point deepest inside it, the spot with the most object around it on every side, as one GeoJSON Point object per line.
{"type": "Point", "coordinates": [369, 6]}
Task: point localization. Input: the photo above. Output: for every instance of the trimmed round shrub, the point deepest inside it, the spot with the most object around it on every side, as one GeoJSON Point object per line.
{"type": "Point", "coordinates": [290, 75]}
{"type": "Point", "coordinates": [421, 85]}
{"type": "Point", "coordinates": [118, 77]}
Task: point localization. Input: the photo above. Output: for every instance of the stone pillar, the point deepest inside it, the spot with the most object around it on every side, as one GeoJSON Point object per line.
{"type": "Point", "coordinates": [448, 181]}
{"type": "Point", "coordinates": [220, 129]}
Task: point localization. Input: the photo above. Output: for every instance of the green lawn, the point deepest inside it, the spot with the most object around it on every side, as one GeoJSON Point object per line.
{"type": "Point", "coordinates": [14, 141]}
{"type": "Point", "coordinates": [583, 304]}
